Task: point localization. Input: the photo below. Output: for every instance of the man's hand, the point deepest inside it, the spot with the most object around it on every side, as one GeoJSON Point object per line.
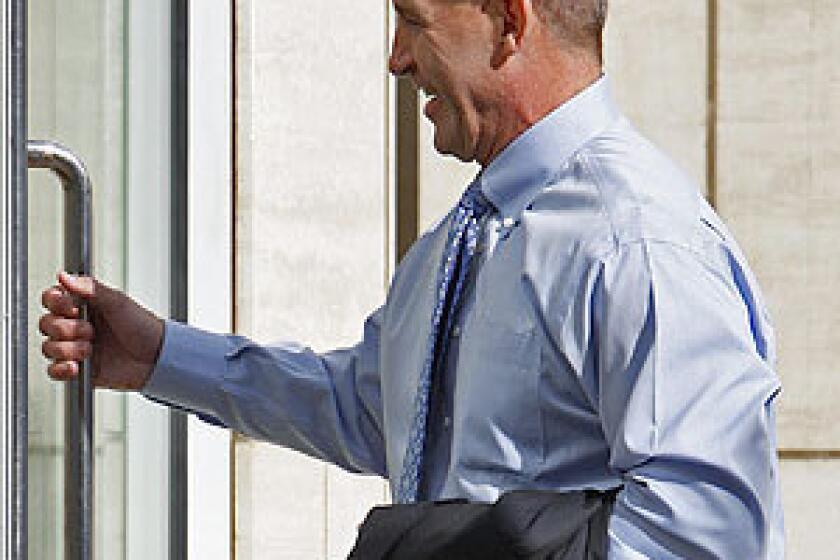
{"type": "Point", "coordinates": [122, 337]}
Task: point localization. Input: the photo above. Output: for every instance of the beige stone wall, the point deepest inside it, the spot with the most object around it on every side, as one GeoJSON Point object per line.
{"type": "Point", "coordinates": [311, 239]}
{"type": "Point", "coordinates": [812, 512]}
{"type": "Point", "coordinates": [656, 58]}
{"type": "Point", "coordinates": [779, 166]}
{"type": "Point", "coordinates": [779, 162]}
{"type": "Point", "coordinates": [440, 179]}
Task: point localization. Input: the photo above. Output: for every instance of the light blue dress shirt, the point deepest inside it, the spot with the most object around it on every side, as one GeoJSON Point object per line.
{"type": "Point", "coordinates": [614, 335]}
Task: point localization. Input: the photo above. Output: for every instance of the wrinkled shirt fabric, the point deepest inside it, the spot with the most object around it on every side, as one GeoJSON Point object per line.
{"type": "Point", "coordinates": [613, 335]}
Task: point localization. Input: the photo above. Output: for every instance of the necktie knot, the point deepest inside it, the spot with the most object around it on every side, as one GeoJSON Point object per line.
{"type": "Point", "coordinates": [474, 201]}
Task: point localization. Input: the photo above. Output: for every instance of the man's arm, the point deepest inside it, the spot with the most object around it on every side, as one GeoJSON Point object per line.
{"type": "Point", "coordinates": [324, 405]}
{"type": "Point", "coordinates": [327, 406]}
{"type": "Point", "coordinates": [686, 400]}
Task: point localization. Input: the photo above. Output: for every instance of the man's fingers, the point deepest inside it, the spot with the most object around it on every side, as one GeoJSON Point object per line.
{"type": "Point", "coordinates": [71, 291]}
{"type": "Point", "coordinates": [62, 329]}
{"type": "Point", "coordinates": [59, 302]}
{"type": "Point", "coordinates": [63, 370]}
{"type": "Point", "coordinates": [63, 351]}
{"type": "Point", "coordinates": [69, 339]}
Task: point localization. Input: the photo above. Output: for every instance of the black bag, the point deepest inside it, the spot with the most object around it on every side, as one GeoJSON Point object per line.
{"type": "Point", "coordinates": [523, 524]}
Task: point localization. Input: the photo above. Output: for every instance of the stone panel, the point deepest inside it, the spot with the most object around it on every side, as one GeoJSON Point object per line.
{"type": "Point", "coordinates": [812, 512]}
{"type": "Point", "coordinates": [345, 509]}
{"type": "Point", "coordinates": [280, 503]}
{"type": "Point", "coordinates": [655, 55]}
{"type": "Point", "coordinates": [311, 239]}
{"type": "Point", "coordinates": [779, 134]}
{"type": "Point", "coordinates": [441, 179]}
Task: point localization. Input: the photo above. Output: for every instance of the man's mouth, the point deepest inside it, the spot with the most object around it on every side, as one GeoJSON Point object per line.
{"type": "Point", "coordinates": [431, 106]}
{"type": "Point", "coordinates": [432, 103]}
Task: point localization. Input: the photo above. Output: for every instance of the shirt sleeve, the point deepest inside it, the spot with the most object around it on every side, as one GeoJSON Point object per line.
{"type": "Point", "coordinates": [686, 400]}
{"type": "Point", "coordinates": [324, 405]}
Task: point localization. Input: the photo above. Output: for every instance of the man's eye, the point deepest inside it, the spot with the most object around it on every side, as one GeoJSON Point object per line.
{"type": "Point", "coordinates": [408, 20]}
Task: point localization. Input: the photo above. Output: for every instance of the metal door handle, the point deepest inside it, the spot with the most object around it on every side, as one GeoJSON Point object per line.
{"type": "Point", "coordinates": [78, 408]}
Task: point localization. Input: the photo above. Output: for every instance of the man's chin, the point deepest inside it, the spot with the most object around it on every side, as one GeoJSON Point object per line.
{"type": "Point", "coordinates": [447, 147]}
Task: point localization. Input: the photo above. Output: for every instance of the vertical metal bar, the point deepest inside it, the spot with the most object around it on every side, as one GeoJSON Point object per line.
{"type": "Point", "coordinates": [712, 39]}
{"type": "Point", "coordinates": [15, 404]}
{"type": "Point", "coordinates": [178, 483]}
{"type": "Point", "coordinates": [234, 27]}
{"type": "Point", "coordinates": [407, 167]}
{"type": "Point", "coordinates": [78, 435]}
{"type": "Point", "coordinates": [78, 394]}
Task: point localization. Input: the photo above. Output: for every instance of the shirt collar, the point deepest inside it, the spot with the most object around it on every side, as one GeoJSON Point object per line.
{"type": "Point", "coordinates": [526, 165]}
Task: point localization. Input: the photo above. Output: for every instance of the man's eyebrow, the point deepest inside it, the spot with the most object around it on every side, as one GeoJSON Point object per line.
{"type": "Point", "coordinates": [405, 7]}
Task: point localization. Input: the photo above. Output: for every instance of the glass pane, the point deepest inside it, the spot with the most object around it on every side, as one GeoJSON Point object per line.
{"type": "Point", "coordinates": [76, 96]}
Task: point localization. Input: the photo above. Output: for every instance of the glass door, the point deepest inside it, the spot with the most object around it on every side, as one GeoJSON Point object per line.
{"type": "Point", "coordinates": [97, 76]}
{"type": "Point", "coordinates": [76, 95]}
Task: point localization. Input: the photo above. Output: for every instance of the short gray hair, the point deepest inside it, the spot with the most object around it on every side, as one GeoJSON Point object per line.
{"type": "Point", "coordinates": [580, 23]}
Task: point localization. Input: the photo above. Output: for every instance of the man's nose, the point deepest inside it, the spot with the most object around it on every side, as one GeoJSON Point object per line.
{"type": "Point", "coordinates": [399, 63]}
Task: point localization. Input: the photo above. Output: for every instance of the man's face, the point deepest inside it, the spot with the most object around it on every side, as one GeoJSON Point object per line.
{"type": "Point", "coordinates": [446, 47]}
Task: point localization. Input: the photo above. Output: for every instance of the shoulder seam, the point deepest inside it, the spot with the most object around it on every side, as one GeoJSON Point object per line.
{"type": "Point", "coordinates": [598, 180]}
{"type": "Point", "coordinates": [701, 258]}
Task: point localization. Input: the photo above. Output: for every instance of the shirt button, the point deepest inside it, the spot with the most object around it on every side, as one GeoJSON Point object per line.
{"type": "Point", "coordinates": [447, 421]}
{"type": "Point", "coordinates": [456, 331]}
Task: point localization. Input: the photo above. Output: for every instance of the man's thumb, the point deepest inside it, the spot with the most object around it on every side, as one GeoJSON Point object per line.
{"type": "Point", "coordinates": [84, 287]}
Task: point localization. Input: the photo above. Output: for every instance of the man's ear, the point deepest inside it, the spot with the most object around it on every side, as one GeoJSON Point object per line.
{"type": "Point", "coordinates": [514, 17]}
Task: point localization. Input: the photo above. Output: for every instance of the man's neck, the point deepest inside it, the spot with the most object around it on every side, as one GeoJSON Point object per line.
{"type": "Point", "coordinates": [527, 102]}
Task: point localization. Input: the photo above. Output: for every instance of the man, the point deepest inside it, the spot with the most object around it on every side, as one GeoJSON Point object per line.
{"type": "Point", "coordinates": [582, 319]}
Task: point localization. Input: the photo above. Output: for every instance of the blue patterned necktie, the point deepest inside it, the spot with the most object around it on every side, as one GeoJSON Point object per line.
{"type": "Point", "coordinates": [460, 249]}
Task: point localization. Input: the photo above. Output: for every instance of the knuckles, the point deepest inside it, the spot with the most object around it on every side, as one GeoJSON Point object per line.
{"type": "Point", "coordinates": [51, 298]}
{"type": "Point", "coordinates": [47, 325]}
{"type": "Point", "coordinates": [46, 298]}
{"type": "Point", "coordinates": [62, 329]}
{"type": "Point", "coordinates": [66, 351]}
{"type": "Point", "coordinates": [58, 302]}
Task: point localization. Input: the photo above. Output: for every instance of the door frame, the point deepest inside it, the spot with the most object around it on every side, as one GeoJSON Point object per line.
{"type": "Point", "coordinates": [13, 384]}
{"type": "Point", "coordinates": [210, 251]}
{"type": "Point", "coordinates": [186, 81]}
{"type": "Point", "coordinates": [148, 266]}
